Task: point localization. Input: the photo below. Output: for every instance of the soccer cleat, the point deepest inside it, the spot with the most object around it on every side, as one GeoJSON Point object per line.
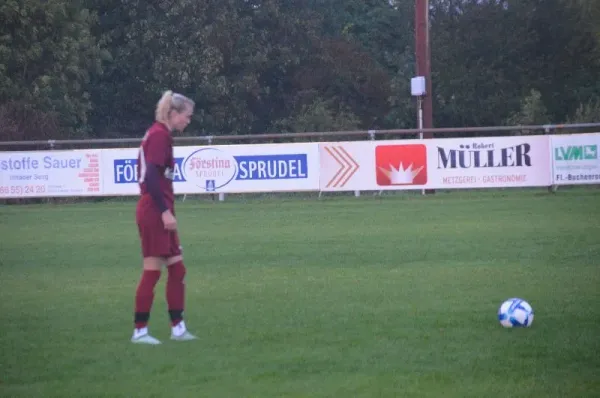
{"type": "Point", "coordinates": [141, 336]}
{"type": "Point", "coordinates": [185, 336]}
{"type": "Point", "coordinates": [180, 333]}
{"type": "Point", "coordinates": [144, 339]}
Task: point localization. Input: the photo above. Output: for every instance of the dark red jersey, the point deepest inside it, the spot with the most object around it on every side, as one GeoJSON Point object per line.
{"type": "Point", "coordinates": [157, 149]}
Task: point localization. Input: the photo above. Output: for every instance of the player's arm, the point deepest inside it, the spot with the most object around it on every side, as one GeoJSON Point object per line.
{"type": "Point", "coordinates": [156, 155]}
{"type": "Point", "coordinates": [159, 150]}
{"type": "Point", "coordinates": [152, 178]}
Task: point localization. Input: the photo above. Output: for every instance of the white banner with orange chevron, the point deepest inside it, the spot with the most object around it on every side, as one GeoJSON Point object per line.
{"type": "Point", "coordinates": [340, 164]}
{"type": "Point", "coordinates": [449, 163]}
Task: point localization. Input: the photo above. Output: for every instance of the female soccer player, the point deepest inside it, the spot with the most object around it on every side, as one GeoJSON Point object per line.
{"type": "Point", "coordinates": [155, 216]}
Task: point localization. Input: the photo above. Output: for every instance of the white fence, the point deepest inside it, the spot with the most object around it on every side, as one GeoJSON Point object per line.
{"type": "Point", "coordinates": [440, 163]}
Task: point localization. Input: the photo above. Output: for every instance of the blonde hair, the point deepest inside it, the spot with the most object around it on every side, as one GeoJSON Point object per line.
{"type": "Point", "coordinates": [171, 101]}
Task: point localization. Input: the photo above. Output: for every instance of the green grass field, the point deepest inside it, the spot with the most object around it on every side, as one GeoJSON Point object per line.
{"type": "Point", "coordinates": [338, 297]}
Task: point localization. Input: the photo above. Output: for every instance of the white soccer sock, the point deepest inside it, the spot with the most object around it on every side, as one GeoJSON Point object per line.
{"type": "Point", "coordinates": [179, 329]}
{"type": "Point", "coordinates": [140, 332]}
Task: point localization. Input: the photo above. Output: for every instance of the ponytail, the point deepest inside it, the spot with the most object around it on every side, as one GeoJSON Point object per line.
{"type": "Point", "coordinates": [171, 101]}
{"type": "Point", "coordinates": [163, 107]}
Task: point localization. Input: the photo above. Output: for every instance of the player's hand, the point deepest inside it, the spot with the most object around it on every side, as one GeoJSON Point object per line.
{"type": "Point", "coordinates": [169, 220]}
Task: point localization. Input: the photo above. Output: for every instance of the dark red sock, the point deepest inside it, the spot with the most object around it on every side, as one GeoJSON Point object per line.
{"type": "Point", "coordinates": [176, 292]}
{"type": "Point", "coordinates": [144, 296]}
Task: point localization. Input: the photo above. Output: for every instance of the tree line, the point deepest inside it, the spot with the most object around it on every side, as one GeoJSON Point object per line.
{"type": "Point", "coordinates": [95, 68]}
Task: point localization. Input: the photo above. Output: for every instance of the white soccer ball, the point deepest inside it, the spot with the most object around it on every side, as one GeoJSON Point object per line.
{"type": "Point", "coordinates": [515, 313]}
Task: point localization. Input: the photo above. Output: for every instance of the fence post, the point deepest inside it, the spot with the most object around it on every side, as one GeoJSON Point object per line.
{"type": "Point", "coordinates": [221, 195]}
{"type": "Point", "coordinates": [51, 144]}
{"type": "Point", "coordinates": [548, 130]}
{"type": "Point", "coordinates": [372, 137]}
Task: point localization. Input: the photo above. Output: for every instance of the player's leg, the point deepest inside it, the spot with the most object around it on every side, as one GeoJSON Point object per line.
{"type": "Point", "coordinates": [144, 298]}
{"type": "Point", "coordinates": [155, 249]}
{"type": "Point", "coordinates": [175, 291]}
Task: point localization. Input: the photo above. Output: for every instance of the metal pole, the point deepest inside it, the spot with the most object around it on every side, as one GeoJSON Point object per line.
{"type": "Point", "coordinates": [291, 136]}
{"type": "Point", "coordinates": [420, 116]}
{"type": "Point", "coordinates": [420, 124]}
{"type": "Point", "coordinates": [423, 56]}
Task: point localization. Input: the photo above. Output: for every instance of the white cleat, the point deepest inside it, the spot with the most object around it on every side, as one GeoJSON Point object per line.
{"type": "Point", "coordinates": [185, 336]}
{"type": "Point", "coordinates": [141, 336]}
{"type": "Point", "coordinates": [180, 333]}
{"type": "Point", "coordinates": [145, 339]}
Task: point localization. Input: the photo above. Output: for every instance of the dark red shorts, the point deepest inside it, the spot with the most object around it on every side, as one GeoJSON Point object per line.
{"type": "Point", "coordinates": [155, 239]}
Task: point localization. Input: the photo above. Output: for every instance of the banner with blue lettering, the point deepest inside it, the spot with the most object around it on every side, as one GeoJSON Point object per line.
{"type": "Point", "coordinates": [229, 169]}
